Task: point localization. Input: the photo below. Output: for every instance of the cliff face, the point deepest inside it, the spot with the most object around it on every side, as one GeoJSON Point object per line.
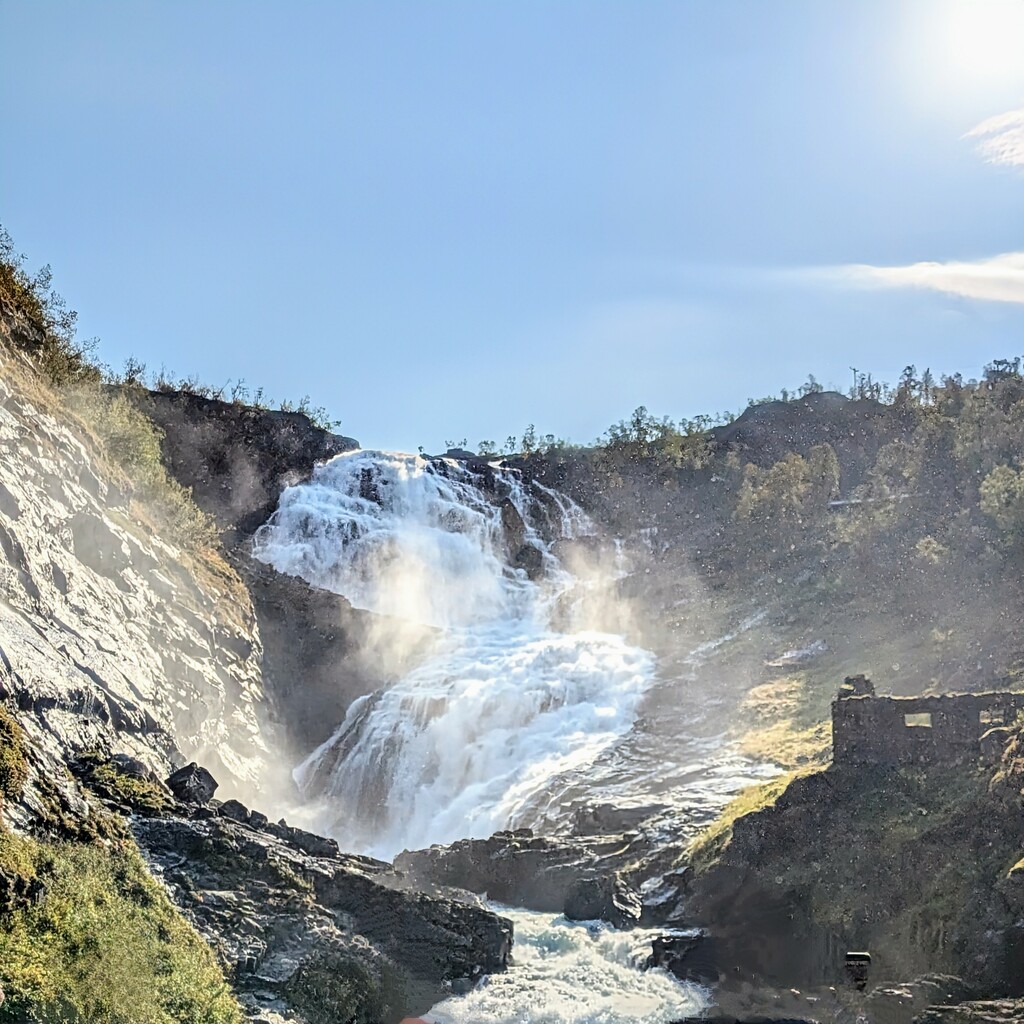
{"type": "Point", "coordinates": [114, 640]}
{"type": "Point", "coordinates": [916, 864]}
{"type": "Point", "coordinates": [237, 460]}
{"type": "Point", "coordinates": [111, 637]}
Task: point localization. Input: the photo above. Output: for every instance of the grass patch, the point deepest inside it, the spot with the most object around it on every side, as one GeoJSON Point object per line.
{"type": "Point", "coordinates": [103, 945]}
{"type": "Point", "coordinates": [132, 442]}
{"type": "Point", "coordinates": [706, 848]}
{"type": "Point", "coordinates": [142, 795]}
{"type": "Point", "coordinates": [13, 763]}
{"type": "Point", "coordinates": [788, 746]}
{"type": "Point", "coordinates": [788, 729]}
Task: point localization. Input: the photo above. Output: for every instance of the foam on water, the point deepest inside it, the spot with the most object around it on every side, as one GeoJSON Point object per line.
{"type": "Point", "coordinates": [505, 703]}
{"type": "Point", "coordinates": [574, 972]}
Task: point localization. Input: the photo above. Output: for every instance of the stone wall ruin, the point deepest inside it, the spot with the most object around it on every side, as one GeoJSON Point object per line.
{"type": "Point", "coordinates": [946, 729]}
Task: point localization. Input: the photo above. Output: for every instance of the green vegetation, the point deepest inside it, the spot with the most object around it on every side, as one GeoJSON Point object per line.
{"type": "Point", "coordinates": [143, 795]}
{"type": "Point", "coordinates": [705, 850]}
{"type": "Point", "coordinates": [102, 945]}
{"type": "Point", "coordinates": [132, 442]}
{"type": "Point", "coordinates": [47, 331]}
{"type": "Point", "coordinates": [13, 763]}
{"type": "Point", "coordinates": [787, 723]}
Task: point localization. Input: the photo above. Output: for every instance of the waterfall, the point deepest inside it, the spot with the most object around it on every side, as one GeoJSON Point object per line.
{"type": "Point", "coordinates": [508, 699]}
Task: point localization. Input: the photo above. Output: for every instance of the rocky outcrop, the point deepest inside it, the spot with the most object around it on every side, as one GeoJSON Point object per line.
{"type": "Point", "coordinates": [855, 428]}
{"type": "Point", "coordinates": [319, 653]}
{"type": "Point", "coordinates": [237, 459]}
{"type": "Point", "coordinates": [289, 916]}
{"type": "Point", "coordinates": [565, 876]}
{"type": "Point", "coordinates": [111, 637]}
{"type": "Point", "coordinates": [911, 864]}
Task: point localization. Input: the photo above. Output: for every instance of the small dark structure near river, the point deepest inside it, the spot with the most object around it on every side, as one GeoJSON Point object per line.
{"type": "Point", "coordinates": [867, 729]}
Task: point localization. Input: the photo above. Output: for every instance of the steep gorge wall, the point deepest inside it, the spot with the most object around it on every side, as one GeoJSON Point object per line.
{"type": "Point", "coordinates": [317, 656]}
{"type": "Point", "coordinates": [111, 637]}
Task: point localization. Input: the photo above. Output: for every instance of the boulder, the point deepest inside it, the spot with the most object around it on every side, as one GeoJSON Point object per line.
{"type": "Point", "coordinates": [292, 924]}
{"type": "Point", "coordinates": [235, 810]}
{"type": "Point", "coordinates": [192, 784]}
{"type": "Point", "coordinates": [603, 897]}
{"type": "Point", "coordinates": [132, 767]}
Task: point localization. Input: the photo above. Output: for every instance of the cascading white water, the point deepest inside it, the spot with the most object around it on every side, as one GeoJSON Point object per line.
{"type": "Point", "coordinates": [505, 703]}
{"type": "Point", "coordinates": [575, 972]}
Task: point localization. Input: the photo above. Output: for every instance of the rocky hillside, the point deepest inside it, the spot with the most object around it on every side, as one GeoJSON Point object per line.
{"type": "Point", "coordinates": [112, 636]}
{"type": "Point", "coordinates": [129, 647]}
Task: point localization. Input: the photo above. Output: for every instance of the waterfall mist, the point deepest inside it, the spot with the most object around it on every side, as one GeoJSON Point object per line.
{"type": "Point", "coordinates": [516, 687]}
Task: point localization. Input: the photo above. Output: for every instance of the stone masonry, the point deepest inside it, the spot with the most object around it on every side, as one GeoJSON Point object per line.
{"type": "Point", "coordinates": [946, 729]}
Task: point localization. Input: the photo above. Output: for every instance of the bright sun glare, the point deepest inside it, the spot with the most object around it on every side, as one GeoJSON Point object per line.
{"type": "Point", "coordinates": [982, 42]}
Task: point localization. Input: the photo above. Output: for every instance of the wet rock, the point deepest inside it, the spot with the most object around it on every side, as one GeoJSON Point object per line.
{"type": "Point", "coordinates": [603, 897]}
{"type": "Point", "coordinates": [675, 953]}
{"type": "Point", "coordinates": [992, 1011]}
{"type": "Point", "coordinates": [530, 558]}
{"type": "Point", "coordinates": [192, 784]}
{"type": "Point", "coordinates": [513, 525]}
{"type": "Point", "coordinates": [565, 876]}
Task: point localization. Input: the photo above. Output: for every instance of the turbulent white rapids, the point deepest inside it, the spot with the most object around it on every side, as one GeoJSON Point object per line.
{"type": "Point", "coordinates": [505, 703]}
{"type": "Point", "coordinates": [574, 972]}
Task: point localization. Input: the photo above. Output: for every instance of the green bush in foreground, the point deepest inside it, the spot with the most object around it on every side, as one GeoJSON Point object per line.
{"type": "Point", "coordinates": [103, 945]}
{"type": "Point", "coordinates": [13, 765]}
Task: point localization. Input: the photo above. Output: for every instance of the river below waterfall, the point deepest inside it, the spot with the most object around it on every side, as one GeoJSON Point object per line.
{"type": "Point", "coordinates": [519, 708]}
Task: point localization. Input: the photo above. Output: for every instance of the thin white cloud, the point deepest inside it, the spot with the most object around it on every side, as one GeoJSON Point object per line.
{"type": "Point", "coordinates": [997, 279]}
{"type": "Point", "coordinates": [1002, 138]}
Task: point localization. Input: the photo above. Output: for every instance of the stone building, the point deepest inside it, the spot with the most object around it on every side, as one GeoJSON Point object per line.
{"type": "Point", "coordinates": [946, 729]}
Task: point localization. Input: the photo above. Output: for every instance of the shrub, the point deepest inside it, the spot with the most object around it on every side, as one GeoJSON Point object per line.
{"type": "Point", "coordinates": [104, 945]}
{"type": "Point", "coordinates": [50, 338]}
{"type": "Point", "coordinates": [13, 763]}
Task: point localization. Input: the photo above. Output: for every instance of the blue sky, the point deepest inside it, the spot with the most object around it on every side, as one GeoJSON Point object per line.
{"type": "Point", "coordinates": [445, 220]}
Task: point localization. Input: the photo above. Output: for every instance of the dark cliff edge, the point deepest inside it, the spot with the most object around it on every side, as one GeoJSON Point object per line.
{"type": "Point", "coordinates": [237, 460]}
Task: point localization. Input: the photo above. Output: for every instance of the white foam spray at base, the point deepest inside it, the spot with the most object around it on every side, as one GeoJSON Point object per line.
{"type": "Point", "coordinates": [505, 703]}
{"type": "Point", "coordinates": [574, 972]}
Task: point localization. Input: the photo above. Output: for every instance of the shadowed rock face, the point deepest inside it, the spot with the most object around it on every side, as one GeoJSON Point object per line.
{"type": "Point", "coordinates": [317, 653]}
{"type": "Point", "coordinates": [911, 864]}
{"type": "Point", "coordinates": [237, 459]}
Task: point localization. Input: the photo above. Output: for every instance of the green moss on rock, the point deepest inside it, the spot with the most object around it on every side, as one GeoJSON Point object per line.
{"type": "Point", "coordinates": [13, 763]}
{"type": "Point", "coordinates": [142, 795]}
{"type": "Point", "coordinates": [102, 943]}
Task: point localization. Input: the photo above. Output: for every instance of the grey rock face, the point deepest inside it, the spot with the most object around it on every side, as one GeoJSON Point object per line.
{"type": "Point", "coordinates": [278, 914]}
{"type": "Point", "coordinates": [109, 636]}
{"type": "Point", "coordinates": [557, 875]}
